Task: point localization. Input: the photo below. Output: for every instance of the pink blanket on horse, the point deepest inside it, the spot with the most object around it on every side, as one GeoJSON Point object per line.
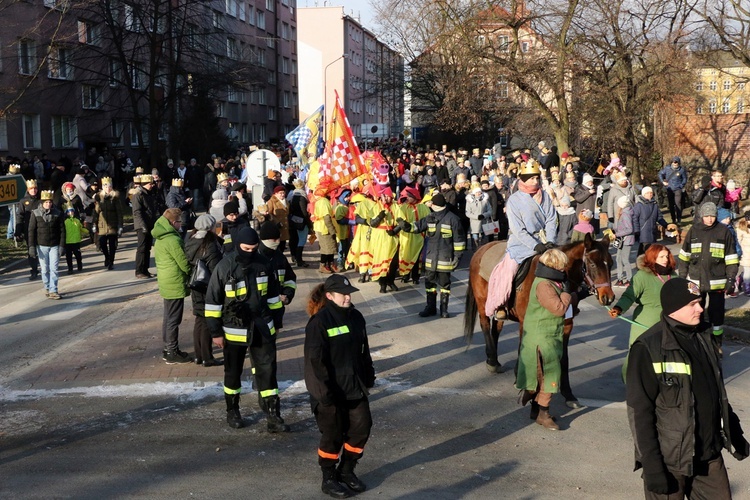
{"type": "Point", "coordinates": [500, 284]}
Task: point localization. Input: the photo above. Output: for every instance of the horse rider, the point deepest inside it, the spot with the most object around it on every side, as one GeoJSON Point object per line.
{"type": "Point", "coordinates": [532, 220]}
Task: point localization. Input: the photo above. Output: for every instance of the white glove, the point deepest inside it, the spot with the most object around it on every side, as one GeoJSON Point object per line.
{"type": "Point", "coordinates": [94, 229]}
{"type": "Point", "coordinates": [119, 231]}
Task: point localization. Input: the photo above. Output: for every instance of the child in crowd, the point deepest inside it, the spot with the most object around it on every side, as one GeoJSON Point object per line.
{"type": "Point", "coordinates": [732, 196]}
{"type": "Point", "coordinates": [743, 240]}
{"type": "Point", "coordinates": [74, 233]}
{"type": "Point", "coordinates": [583, 227]}
{"type": "Point", "coordinates": [566, 220]}
{"type": "Point", "coordinates": [624, 230]}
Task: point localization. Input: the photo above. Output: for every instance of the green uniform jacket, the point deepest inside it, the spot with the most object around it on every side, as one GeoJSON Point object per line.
{"type": "Point", "coordinates": [172, 266]}
{"type": "Point", "coordinates": [542, 332]}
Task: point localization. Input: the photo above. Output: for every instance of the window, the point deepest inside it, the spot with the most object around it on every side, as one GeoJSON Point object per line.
{"type": "Point", "coordinates": [92, 97]}
{"type": "Point", "coordinates": [287, 96]}
{"type": "Point", "coordinates": [502, 88]}
{"type": "Point", "coordinates": [116, 129]}
{"type": "Point", "coordinates": [725, 106]}
{"type": "Point", "coordinates": [26, 56]}
{"type": "Point", "coordinates": [58, 64]}
{"type": "Point", "coordinates": [740, 85]}
{"type": "Point", "coordinates": [727, 84]}
{"type": "Point", "coordinates": [262, 96]}
{"type": "Point", "coordinates": [285, 31]}
{"type": "Point", "coordinates": [270, 5]}
{"type": "Point", "coordinates": [32, 138]}
{"type": "Point", "coordinates": [262, 136]}
{"type": "Point", "coordinates": [132, 18]}
{"type": "Point", "coordinates": [3, 134]}
{"type": "Point", "coordinates": [524, 46]}
{"type": "Point", "coordinates": [272, 78]}
{"type": "Point", "coordinates": [216, 19]}
{"type": "Point", "coordinates": [137, 76]}
{"type": "Point", "coordinates": [699, 109]}
{"type": "Point", "coordinates": [231, 94]}
{"type": "Point", "coordinates": [56, 4]}
{"type": "Point", "coordinates": [115, 73]}
{"type": "Point", "coordinates": [502, 43]}
{"type": "Point", "coordinates": [260, 19]}
{"type": "Point", "coordinates": [243, 11]}
{"type": "Point", "coordinates": [221, 109]}
{"type": "Point", "coordinates": [285, 65]}
{"type": "Point", "coordinates": [294, 67]}
{"type": "Point", "coordinates": [232, 52]}
{"type": "Point", "coordinates": [64, 131]}
{"type": "Point", "coordinates": [134, 135]}
{"type": "Point", "coordinates": [251, 15]}
{"type": "Point", "coordinates": [712, 85]}
{"type": "Point", "coordinates": [740, 106]}
{"type": "Point", "coordinates": [245, 133]}
{"type": "Point", "coordinates": [271, 113]}
{"type": "Point", "coordinates": [270, 42]}
{"type": "Point", "coordinates": [88, 33]}
{"type": "Point", "coordinates": [712, 106]}
{"type": "Point", "coordinates": [261, 58]}
{"type": "Point", "coordinates": [699, 86]}
{"type": "Point", "coordinates": [230, 7]}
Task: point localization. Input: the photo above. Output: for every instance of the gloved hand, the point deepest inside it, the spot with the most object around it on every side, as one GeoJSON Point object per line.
{"type": "Point", "coordinates": [567, 286]}
{"type": "Point", "coordinates": [637, 236]}
{"type": "Point", "coordinates": [62, 249]}
{"type": "Point", "coordinates": [615, 312]}
{"type": "Point", "coordinates": [405, 226]}
{"type": "Point", "coordinates": [540, 248]}
{"type": "Point", "coordinates": [481, 217]}
{"type": "Point", "coordinates": [599, 201]}
{"type": "Point", "coordinates": [657, 482]}
{"type": "Point", "coordinates": [549, 245]}
{"type": "Point", "coordinates": [94, 229]}
{"type": "Point", "coordinates": [119, 231]}
{"type": "Point", "coordinates": [391, 232]}
{"type": "Point", "coordinates": [32, 252]}
{"type": "Point", "coordinates": [583, 292]}
{"type": "Point", "coordinates": [611, 220]}
{"type": "Point", "coordinates": [730, 287]}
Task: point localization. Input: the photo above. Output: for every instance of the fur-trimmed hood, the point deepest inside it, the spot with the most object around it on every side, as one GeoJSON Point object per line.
{"type": "Point", "coordinates": [101, 195]}
{"type": "Point", "coordinates": [640, 264]}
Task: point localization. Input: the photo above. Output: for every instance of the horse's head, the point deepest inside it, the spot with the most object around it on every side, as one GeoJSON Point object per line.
{"type": "Point", "coordinates": [597, 267]}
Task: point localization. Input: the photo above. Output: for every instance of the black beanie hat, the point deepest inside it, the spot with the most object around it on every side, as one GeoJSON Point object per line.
{"type": "Point", "coordinates": [677, 293]}
{"type": "Point", "coordinates": [269, 231]}
{"type": "Point", "coordinates": [231, 207]}
{"type": "Point", "coordinates": [438, 200]}
{"type": "Point", "coordinates": [246, 235]}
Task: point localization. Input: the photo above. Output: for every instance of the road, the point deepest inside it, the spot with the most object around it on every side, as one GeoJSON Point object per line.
{"type": "Point", "coordinates": [89, 409]}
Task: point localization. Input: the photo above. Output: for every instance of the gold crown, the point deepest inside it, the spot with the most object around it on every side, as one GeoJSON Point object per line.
{"type": "Point", "coordinates": [31, 183]}
{"type": "Point", "coordinates": [612, 156]}
{"type": "Point", "coordinates": [14, 169]}
{"type": "Point", "coordinates": [531, 168]}
{"type": "Point", "coordinates": [222, 177]}
{"type": "Point", "coordinates": [47, 195]}
{"type": "Point", "coordinates": [178, 182]}
{"type": "Point", "coordinates": [137, 179]}
{"type": "Point", "coordinates": [106, 180]}
{"type": "Point", "coordinates": [138, 170]}
{"type": "Point", "coordinates": [145, 179]}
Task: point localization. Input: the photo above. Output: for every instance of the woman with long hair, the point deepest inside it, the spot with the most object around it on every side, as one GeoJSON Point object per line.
{"type": "Point", "coordinates": [655, 267]}
{"type": "Point", "coordinates": [338, 374]}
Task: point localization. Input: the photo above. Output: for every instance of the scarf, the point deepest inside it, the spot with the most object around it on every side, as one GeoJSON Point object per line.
{"type": "Point", "coordinates": [524, 188]}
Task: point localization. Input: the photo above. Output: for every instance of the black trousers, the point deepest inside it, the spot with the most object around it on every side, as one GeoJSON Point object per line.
{"type": "Point", "coordinates": [674, 197]}
{"type": "Point", "coordinates": [709, 480]}
{"type": "Point", "coordinates": [170, 329]}
{"type": "Point", "coordinates": [263, 358]}
{"type": "Point", "coordinates": [433, 279]}
{"type": "Point", "coordinates": [202, 339]}
{"type": "Point", "coordinates": [72, 249]}
{"type": "Point", "coordinates": [34, 266]}
{"type": "Point", "coordinates": [143, 251]}
{"type": "Point", "coordinates": [108, 244]}
{"type": "Point", "coordinates": [714, 313]}
{"type": "Point", "coordinates": [346, 424]}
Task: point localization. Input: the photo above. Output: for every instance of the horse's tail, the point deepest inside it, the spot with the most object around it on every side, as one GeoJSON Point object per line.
{"type": "Point", "coordinates": [470, 314]}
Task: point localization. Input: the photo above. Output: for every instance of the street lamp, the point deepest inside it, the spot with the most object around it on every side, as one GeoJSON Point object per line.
{"type": "Point", "coordinates": [325, 88]}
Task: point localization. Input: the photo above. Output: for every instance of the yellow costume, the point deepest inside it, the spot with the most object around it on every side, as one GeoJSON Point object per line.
{"type": "Point", "coordinates": [410, 243]}
{"type": "Point", "coordinates": [359, 253]}
{"type": "Point", "coordinates": [383, 245]}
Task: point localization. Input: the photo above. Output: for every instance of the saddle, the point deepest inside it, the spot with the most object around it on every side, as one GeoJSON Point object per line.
{"type": "Point", "coordinates": [518, 279]}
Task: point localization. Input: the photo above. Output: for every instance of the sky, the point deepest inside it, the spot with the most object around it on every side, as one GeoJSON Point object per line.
{"type": "Point", "coordinates": [358, 9]}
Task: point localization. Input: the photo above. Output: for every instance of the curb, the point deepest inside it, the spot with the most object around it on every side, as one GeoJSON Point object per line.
{"type": "Point", "coordinates": [738, 333]}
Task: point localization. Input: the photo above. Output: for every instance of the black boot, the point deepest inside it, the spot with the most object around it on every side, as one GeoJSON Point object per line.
{"type": "Point", "coordinates": [382, 285]}
{"type": "Point", "coordinates": [345, 474]}
{"type": "Point", "coordinates": [273, 411]}
{"type": "Point", "coordinates": [331, 486]}
{"type": "Point", "coordinates": [234, 419]}
{"type": "Point", "coordinates": [431, 308]}
{"type": "Point", "coordinates": [362, 278]}
{"type": "Point", "coordinates": [392, 286]}
{"type": "Point", "coordinates": [444, 305]}
{"type": "Point", "coordinates": [300, 262]}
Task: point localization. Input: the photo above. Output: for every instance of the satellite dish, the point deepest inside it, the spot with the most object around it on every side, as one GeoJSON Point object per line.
{"type": "Point", "coordinates": [259, 164]}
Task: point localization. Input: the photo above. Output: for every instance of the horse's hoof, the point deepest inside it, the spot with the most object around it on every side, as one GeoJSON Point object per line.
{"type": "Point", "coordinates": [495, 368]}
{"type": "Point", "coordinates": [573, 403]}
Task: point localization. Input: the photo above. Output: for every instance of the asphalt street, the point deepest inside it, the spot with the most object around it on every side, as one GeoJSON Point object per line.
{"type": "Point", "coordinates": [89, 410]}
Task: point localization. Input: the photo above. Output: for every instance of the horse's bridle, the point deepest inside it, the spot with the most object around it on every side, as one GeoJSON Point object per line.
{"type": "Point", "coordinates": [587, 277]}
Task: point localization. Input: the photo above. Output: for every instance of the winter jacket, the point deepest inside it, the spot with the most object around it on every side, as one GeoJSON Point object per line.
{"type": "Point", "coordinates": [287, 279]}
{"type": "Point", "coordinates": [479, 211]}
{"type": "Point", "coordinates": [584, 199]}
{"type": "Point", "coordinates": [615, 193]}
{"type": "Point", "coordinates": [144, 209]}
{"type": "Point", "coordinates": [237, 299]}
{"type": "Point", "coordinates": [676, 178]}
{"type": "Point", "coordinates": [46, 228]}
{"type": "Point", "coordinates": [338, 365]}
{"type": "Point", "coordinates": [208, 249]}
{"type": "Point", "coordinates": [107, 213]}
{"type": "Point", "coordinates": [176, 199]}
{"type": "Point", "coordinates": [709, 256]}
{"type": "Point", "coordinates": [446, 240]}
{"type": "Point", "coordinates": [645, 217]}
{"type": "Point", "coordinates": [62, 202]}
{"type": "Point", "coordinates": [660, 400]}
{"type": "Point", "coordinates": [526, 218]}
{"type": "Point", "coordinates": [74, 231]}
{"type": "Point", "coordinates": [172, 266]}
{"type": "Point", "coordinates": [280, 215]}
{"type": "Point", "coordinates": [298, 214]}
{"type": "Point", "coordinates": [743, 239]}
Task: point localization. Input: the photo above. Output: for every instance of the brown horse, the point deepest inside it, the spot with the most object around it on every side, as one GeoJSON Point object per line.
{"type": "Point", "coordinates": [589, 264]}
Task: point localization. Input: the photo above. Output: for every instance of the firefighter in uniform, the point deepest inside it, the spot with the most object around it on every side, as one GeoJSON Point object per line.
{"type": "Point", "coordinates": [270, 238]}
{"type": "Point", "coordinates": [28, 204]}
{"type": "Point", "coordinates": [338, 374]}
{"type": "Point", "coordinates": [241, 297]}
{"type": "Point", "coordinates": [445, 244]}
